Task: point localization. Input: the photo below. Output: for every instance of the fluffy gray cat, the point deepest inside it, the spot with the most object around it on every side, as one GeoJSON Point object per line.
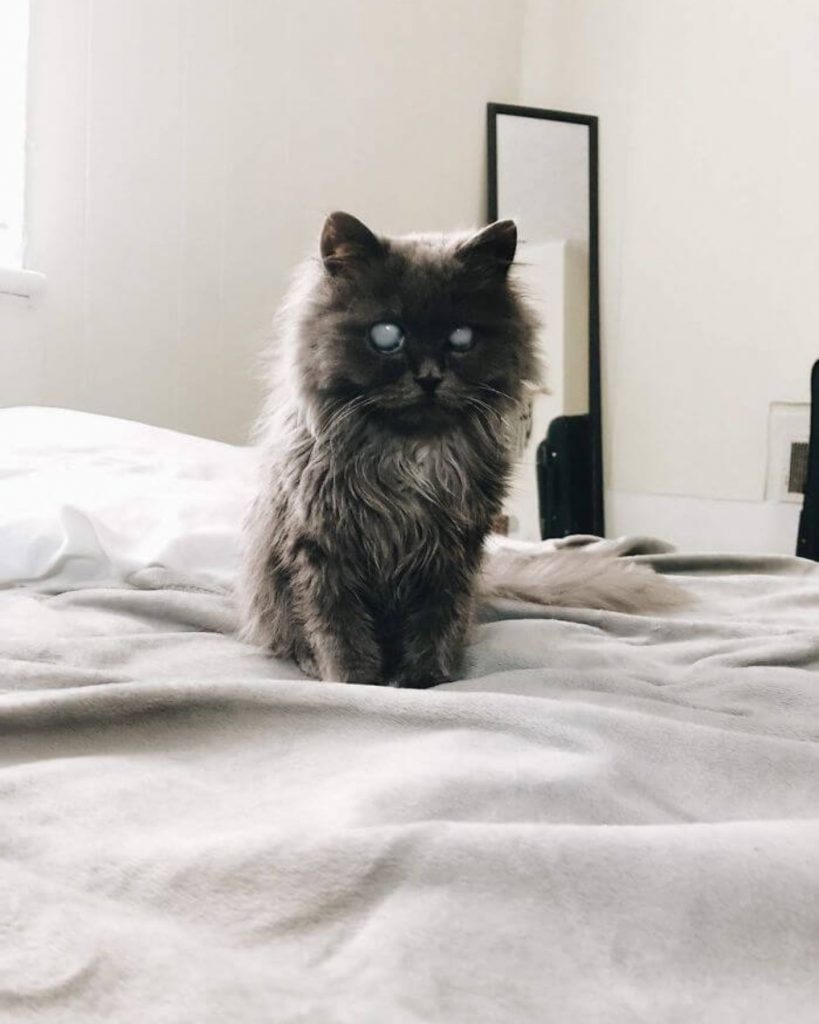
{"type": "Point", "coordinates": [386, 449]}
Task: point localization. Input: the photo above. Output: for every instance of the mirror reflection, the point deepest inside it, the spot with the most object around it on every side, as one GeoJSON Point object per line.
{"type": "Point", "coordinates": [542, 173]}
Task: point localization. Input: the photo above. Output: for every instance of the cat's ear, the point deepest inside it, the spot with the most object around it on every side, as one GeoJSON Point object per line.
{"type": "Point", "coordinates": [347, 243]}
{"type": "Point", "coordinates": [493, 248]}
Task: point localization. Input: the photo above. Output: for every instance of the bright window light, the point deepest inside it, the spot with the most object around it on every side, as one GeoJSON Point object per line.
{"type": "Point", "coordinates": [13, 60]}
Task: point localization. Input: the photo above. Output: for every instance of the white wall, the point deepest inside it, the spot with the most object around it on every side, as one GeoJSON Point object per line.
{"type": "Point", "coordinates": [13, 40]}
{"type": "Point", "coordinates": [710, 241]}
{"type": "Point", "coordinates": [182, 156]}
{"type": "Point", "coordinates": [183, 153]}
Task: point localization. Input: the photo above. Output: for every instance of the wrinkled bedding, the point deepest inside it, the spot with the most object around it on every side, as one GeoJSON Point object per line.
{"type": "Point", "coordinates": [610, 818]}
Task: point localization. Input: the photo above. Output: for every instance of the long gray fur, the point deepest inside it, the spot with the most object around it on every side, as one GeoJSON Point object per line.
{"type": "Point", "coordinates": [364, 546]}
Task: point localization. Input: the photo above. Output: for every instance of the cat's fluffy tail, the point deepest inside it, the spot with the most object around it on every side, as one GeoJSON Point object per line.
{"type": "Point", "coordinates": [572, 578]}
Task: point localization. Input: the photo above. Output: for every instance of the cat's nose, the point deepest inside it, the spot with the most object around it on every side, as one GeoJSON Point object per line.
{"type": "Point", "coordinates": [428, 382]}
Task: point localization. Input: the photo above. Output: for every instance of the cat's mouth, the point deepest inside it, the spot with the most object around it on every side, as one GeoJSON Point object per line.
{"type": "Point", "coordinates": [424, 412]}
{"type": "Point", "coordinates": [427, 402]}
{"type": "Point", "coordinates": [428, 412]}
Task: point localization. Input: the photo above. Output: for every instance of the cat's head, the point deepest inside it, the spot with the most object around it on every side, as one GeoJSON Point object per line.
{"type": "Point", "coordinates": [419, 332]}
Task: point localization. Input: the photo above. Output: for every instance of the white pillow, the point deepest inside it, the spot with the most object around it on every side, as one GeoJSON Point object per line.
{"type": "Point", "coordinates": [86, 497]}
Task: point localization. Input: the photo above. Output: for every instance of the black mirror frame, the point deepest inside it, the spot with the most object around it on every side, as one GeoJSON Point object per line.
{"type": "Point", "coordinates": [595, 483]}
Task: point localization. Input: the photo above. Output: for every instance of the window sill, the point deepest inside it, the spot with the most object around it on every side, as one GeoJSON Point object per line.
{"type": "Point", "coordinates": [23, 284]}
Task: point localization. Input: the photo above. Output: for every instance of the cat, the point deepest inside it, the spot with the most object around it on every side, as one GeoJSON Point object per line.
{"type": "Point", "coordinates": [386, 448]}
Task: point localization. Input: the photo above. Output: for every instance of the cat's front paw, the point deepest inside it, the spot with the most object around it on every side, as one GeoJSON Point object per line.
{"type": "Point", "coordinates": [364, 674]}
{"type": "Point", "coordinates": [307, 662]}
{"type": "Point", "coordinates": [364, 677]}
{"type": "Point", "coordinates": [421, 679]}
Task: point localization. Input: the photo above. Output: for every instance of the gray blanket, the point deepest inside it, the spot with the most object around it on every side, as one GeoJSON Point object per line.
{"type": "Point", "coordinates": [609, 819]}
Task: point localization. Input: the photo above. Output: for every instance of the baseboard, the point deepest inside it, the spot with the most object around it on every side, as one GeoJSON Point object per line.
{"type": "Point", "coordinates": [704, 524]}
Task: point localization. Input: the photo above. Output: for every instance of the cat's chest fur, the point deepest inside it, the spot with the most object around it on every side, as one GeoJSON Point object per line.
{"type": "Point", "coordinates": [390, 499]}
{"type": "Point", "coordinates": [388, 476]}
{"type": "Point", "coordinates": [433, 470]}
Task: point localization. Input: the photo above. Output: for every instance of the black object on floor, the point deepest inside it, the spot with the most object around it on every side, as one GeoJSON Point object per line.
{"type": "Point", "coordinates": [807, 542]}
{"type": "Point", "coordinates": [563, 474]}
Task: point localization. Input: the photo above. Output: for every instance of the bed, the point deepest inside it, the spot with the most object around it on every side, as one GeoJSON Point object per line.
{"type": "Point", "coordinates": [610, 818]}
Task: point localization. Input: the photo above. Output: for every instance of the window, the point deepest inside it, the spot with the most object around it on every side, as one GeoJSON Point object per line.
{"type": "Point", "coordinates": [13, 61]}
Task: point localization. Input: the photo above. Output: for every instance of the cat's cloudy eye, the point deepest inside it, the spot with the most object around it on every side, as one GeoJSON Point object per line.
{"type": "Point", "coordinates": [461, 339]}
{"type": "Point", "coordinates": [386, 337]}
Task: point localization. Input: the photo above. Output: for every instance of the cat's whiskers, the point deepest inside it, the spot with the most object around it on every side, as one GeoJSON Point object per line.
{"type": "Point", "coordinates": [332, 427]}
{"type": "Point", "coordinates": [488, 410]}
{"type": "Point", "coordinates": [480, 403]}
{"type": "Point", "coordinates": [497, 391]}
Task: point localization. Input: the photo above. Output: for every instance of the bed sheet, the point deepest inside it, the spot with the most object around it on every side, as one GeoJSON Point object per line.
{"type": "Point", "coordinates": [610, 818]}
{"type": "Point", "coordinates": [86, 497]}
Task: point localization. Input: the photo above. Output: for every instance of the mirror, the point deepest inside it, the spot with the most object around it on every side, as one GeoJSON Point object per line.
{"type": "Point", "coordinates": [542, 173]}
